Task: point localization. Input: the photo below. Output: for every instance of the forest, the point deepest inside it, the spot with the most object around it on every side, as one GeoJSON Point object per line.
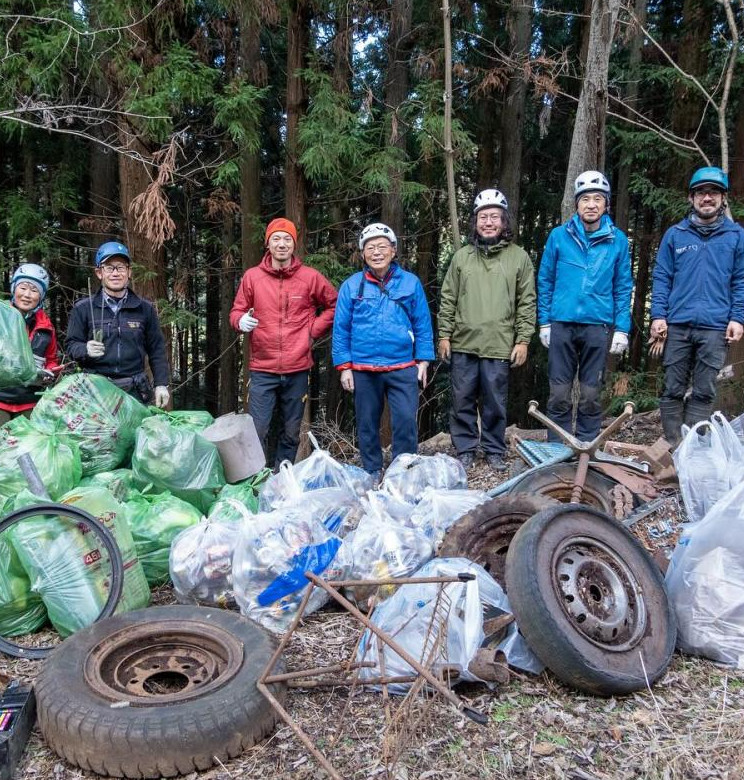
{"type": "Point", "coordinates": [181, 127]}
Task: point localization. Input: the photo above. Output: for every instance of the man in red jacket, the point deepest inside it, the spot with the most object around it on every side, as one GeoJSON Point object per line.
{"type": "Point", "coordinates": [284, 306]}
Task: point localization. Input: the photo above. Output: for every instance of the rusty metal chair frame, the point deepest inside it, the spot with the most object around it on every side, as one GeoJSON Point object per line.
{"type": "Point", "coordinates": [350, 669]}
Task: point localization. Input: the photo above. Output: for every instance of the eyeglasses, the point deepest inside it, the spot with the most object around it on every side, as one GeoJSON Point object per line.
{"type": "Point", "coordinates": [114, 269]}
{"type": "Point", "coordinates": [496, 218]}
{"type": "Point", "coordinates": [706, 191]}
{"type": "Point", "coordinates": [372, 248]}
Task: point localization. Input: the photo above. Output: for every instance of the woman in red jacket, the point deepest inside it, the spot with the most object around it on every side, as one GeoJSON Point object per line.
{"type": "Point", "coordinates": [28, 288]}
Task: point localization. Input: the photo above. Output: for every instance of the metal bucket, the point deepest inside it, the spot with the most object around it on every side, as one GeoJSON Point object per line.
{"type": "Point", "coordinates": [240, 449]}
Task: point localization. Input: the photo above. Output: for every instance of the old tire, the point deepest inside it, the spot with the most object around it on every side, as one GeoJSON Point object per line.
{"type": "Point", "coordinates": [157, 692]}
{"type": "Point", "coordinates": [590, 601]}
{"type": "Point", "coordinates": [484, 534]}
{"type": "Point", "coordinates": [556, 481]}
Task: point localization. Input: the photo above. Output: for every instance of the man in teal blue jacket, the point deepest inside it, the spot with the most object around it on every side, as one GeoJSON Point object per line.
{"type": "Point", "coordinates": [583, 304]}
{"type": "Point", "coordinates": [382, 344]}
{"type": "Point", "coordinates": [697, 302]}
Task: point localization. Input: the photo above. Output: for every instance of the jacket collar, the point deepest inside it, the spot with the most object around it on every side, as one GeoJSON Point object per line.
{"type": "Point", "coordinates": [369, 276]}
{"type": "Point", "coordinates": [131, 302]}
{"type": "Point", "coordinates": [291, 269]}
{"type": "Point", "coordinates": [726, 225]}
{"type": "Point", "coordinates": [605, 230]}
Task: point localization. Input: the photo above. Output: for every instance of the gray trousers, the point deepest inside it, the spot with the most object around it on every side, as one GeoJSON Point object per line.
{"type": "Point", "coordinates": [478, 382]}
{"type": "Point", "coordinates": [693, 356]}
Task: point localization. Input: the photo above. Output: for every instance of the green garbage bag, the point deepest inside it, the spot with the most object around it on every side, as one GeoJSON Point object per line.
{"type": "Point", "coordinates": [56, 459]}
{"type": "Point", "coordinates": [67, 566]}
{"type": "Point", "coordinates": [246, 492]}
{"type": "Point", "coordinates": [156, 520]}
{"type": "Point", "coordinates": [94, 413]}
{"type": "Point", "coordinates": [119, 482]}
{"type": "Point", "coordinates": [191, 419]}
{"type": "Point", "coordinates": [17, 366]}
{"type": "Point", "coordinates": [21, 610]}
{"type": "Point", "coordinates": [179, 461]}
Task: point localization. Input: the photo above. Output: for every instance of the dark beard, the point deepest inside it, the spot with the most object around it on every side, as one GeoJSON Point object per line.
{"type": "Point", "coordinates": [483, 243]}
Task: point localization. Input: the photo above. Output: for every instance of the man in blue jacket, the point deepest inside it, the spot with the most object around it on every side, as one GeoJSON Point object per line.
{"type": "Point", "coordinates": [697, 302]}
{"type": "Point", "coordinates": [583, 304]}
{"type": "Point", "coordinates": [382, 344]}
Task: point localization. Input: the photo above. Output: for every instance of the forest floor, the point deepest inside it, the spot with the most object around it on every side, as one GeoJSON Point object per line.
{"type": "Point", "coordinates": [690, 725]}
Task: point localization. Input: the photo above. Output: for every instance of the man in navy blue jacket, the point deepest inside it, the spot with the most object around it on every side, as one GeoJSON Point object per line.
{"type": "Point", "coordinates": [697, 302]}
{"type": "Point", "coordinates": [583, 304]}
{"type": "Point", "coordinates": [382, 344]}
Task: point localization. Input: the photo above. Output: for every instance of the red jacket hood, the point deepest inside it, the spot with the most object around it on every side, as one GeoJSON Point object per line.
{"type": "Point", "coordinates": [290, 270]}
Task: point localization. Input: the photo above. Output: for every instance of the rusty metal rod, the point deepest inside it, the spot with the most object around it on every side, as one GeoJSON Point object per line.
{"type": "Point", "coordinates": [580, 478]}
{"type": "Point", "coordinates": [351, 681]}
{"type": "Point", "coordinates": [317, 671]}
{"type": "Point", "coordinates": [299, 733]}
{"type": "Point", "coordinates": [442, 689]}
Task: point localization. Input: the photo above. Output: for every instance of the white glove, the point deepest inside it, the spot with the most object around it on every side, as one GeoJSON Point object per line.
{"type": "Point", "coordinates": [40, 361]}
{"type": "Point", "coordinates": [247, 322]}
{"type": "Point", "coordinates": [162, 396]}
{"type": "Point", "coordinates": [619, 343]}
{"type": "Point", "coordinates": [545, 336]}
{"type": "Point", "coordinates": [95, 349]}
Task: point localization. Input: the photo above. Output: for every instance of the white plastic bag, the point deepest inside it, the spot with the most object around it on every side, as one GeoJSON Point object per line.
{"type": "Point", "coordinates": [733, 448]}
{"type": "Point", "coordinates": [411, 617]}
{"type": "Point", "coordinates": [273, 553]}
{"type": "Point", "coordinates": [201, 563]}
{"type": "Point", "coordinates": [705, 581]}
{"type": "Point", "coordinates": [409, 475]}
{"type": "Point", "coordinates": [702, 468]}
{"type": "Point", "coordinates": [439, 509]}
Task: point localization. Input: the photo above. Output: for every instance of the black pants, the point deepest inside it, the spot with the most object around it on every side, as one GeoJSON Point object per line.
{"type": "Point", "coordinates": [693, 356]}
{"type": "Point", "coordinates": [478, 382]}
{"type": "Point", "coordinates": [371, 388]}
{"type": "Point", "coordinates": [291, 392]}
{"type": "Point", "coordinates": [574, 346]}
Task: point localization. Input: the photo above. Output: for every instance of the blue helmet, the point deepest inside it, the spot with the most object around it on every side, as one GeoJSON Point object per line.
{"type": "Point", "coordinates": [709, 175]}
{"type": "Point", "coordinates": [111, 249]}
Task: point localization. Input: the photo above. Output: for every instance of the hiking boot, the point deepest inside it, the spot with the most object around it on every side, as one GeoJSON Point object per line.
{"type": "Point", "coordinates": [467, 459]}
{"type": "Point", "coordinates": [496, 462]}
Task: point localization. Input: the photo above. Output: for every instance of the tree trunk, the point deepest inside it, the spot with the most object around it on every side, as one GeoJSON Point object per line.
{"type": "Point", "coordinates": [635, 46]}
{"type": "Point", "coordinates": [295, 183]}
{"type": "Point", "coordinates": [396, 93]}
{"type": "Point", "coordinates": [519, 24]}
{"type": "Point", "coordinates": [588, 140]}
{"type": "Point", "coordinates": [643, 257]}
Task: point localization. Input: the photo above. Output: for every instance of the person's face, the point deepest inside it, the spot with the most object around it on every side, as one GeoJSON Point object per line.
{"type": "Point", "coordinates": [281, 246]}
{"type": "Point", "coordinates": [378, 254]}
{"type": "Point", "coordinates": [590, 207]}
{"type": "Point", "coordinates": [26, 297]}
{"type": "Point", "coordinates": [490, 222]}
{"type": "Point", "coordinates": [114, 275]}
{"type": "Point", "coordinates": [707, 201]}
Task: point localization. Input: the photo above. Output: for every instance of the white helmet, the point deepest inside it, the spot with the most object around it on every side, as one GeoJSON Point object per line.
{"type": "Point", "coordinates": [377, 230]}
{"type": "Point", "coordinates": [591, 181]}
{"type": "Point", "coordinates": [489, 198]}
{"type": "Point", "coordinates": [31, 272]}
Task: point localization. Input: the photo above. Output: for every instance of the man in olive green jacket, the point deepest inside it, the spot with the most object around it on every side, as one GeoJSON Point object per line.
{"type": "Point", "coordinates": [486, 321]}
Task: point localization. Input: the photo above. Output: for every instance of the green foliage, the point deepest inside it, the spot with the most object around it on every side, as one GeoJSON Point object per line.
{"type": "Point", "coordinates": [643, 389]}
{"type": "Point", "coordinates": [175, 315]}
{"type": "Point", "coordinates": [238, 111]}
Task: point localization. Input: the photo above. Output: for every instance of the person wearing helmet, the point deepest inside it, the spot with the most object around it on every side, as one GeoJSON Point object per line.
{"type": "Point", "coordinates": [584, 287]}
{"type": "Point", "coordinates": [28, 288]}
{"type": "Point", "coordinates": [697, 301]}
{"type": "Point", "coordinates": [486, 321]}
{"type": "Point", "coordinates": [111, 332]}
{"type": "Point", "coordinates": [283, 306]}
{"type": "Point", "coordinates": [382, 345]}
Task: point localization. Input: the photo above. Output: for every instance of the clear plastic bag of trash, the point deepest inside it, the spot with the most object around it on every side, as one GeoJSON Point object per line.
{"type": "Point", "coordinates": [319, 470]}
{"type": "Point", "coordinates": [704, 468]}
{"type": "Point", "coordinates": [737, 425]}
{"type": "Point", "coordinates": [384, 546]}
{"type": "Point", "coordinates": [705, 582]}
{"type": "Point", "coordinates": [273, 552]}
{"type": "Point", "coordinates": [178, 460]}
{"type": "Point", "coordinates": [95, 414]}
{"type": "Point", "coordinates": [201, 563]}
{"type": "Point", "coordinates": [409, 475]}
{"type": "Point", "coordinates": [441, 625]}
{"type": "Point", "coordinates": [439, 509]}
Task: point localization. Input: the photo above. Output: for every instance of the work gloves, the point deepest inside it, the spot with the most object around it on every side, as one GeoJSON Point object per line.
{"type": "Point", "coordinates": [162, 396]}
{"type": "Point", "coordinates": [43, 377]}
{"type": "Point", "coordinates": [619, 343]}
{"type": "Point", "coordinates": [95, 349]}
{"type": "Point", "coordinates": [545, 335]}
{"type": "Point", "coordinates": [247, 322]}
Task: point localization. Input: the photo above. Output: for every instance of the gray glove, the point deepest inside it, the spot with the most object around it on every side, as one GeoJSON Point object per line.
{"type": "Point", "coordinates": [95, 349]}
{"type": "Point", "coordinates": [40, 361]}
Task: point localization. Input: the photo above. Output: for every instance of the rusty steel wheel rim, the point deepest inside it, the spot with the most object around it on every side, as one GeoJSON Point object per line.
{"type": "Point", "coordinates": [599, 593]}
{"type": "Point", "coordinates": [562, 491]}
{"type": "Point", "coordinates": [492, 542]}
{"type": "Point", "coordinates": [163, 662]}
